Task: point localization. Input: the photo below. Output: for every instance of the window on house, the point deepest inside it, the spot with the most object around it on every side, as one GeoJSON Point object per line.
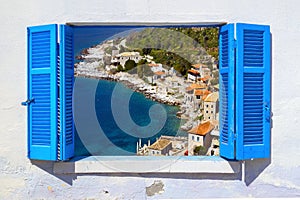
{"type": "Point", "coordinates": [244, 64]}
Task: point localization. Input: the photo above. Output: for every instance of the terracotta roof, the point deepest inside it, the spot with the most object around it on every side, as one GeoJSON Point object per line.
{"type": "Point", "coordinates": [160, 144]}
{"type": "Point", "coordinates": [188, 89]}
{"type": "Point", "coordinates": [153, 65]}
{"type": "Point", "coordinates": [213, 97]}
{"type": "Point", "coordinates": [195, 86]}
{"type": "Point", "coordinates": [202, 129]}
{"type": "Point", "coordinates": [159, 73]}
{"type": "Point", "coordinates": [194, 72]}
{"type": "Point", "coordinates": [202, 92]}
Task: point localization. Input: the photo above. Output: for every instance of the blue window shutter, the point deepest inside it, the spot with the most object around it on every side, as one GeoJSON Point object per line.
{"type": "Point", "coordinates": [42, 90]}
{"type": "Point", "coordinates": [66, 128]}
{"type": "Point", "coordinates": [227, 90]}
{"type": "Point", "coordinates": [253, 91]}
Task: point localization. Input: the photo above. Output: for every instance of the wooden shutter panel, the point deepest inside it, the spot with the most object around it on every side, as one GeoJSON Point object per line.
{"type": "Point", "coordinates": [227, 90]}
{"type": "Point", "coordinates": [253, 91]}
{"type": "Point", "coordinates": [42, 92]}
{"type": "Point", "coordinates": [66, 144]}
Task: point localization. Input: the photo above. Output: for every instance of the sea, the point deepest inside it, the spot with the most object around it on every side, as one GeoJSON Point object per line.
{"type": "Point", "coordinates": [113, 123]}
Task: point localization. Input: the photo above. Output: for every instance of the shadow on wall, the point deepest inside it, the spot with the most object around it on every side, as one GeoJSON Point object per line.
{"type": "Point", "coordinates": [253, 168]}
{"type": "Point", "coordinates": [48, 166]}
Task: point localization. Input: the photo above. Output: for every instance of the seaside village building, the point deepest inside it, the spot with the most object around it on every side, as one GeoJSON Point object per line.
{"type": "Point", "coordinates": [195, 93]}
{"type": "Point", "coordinates": [160, 147]}
{"type": "Point", "coordinates": [123, 57]}
{"type": "Point", "coordinates": [158, 70]}
{"type": "Point", "coordinates": [193, 75]}
{"type": "Point", "coordinates": [200, 136]}
{"type": "Point", "coordinates": [198, 71]}
{"type": "Point", "coordinates": [211, 106]}
{"type": "Point", "coordinates": [214, 149]}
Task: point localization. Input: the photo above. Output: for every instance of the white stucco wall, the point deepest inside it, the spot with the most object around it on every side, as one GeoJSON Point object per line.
{"type": "Point", "coordinates": [20, 179]}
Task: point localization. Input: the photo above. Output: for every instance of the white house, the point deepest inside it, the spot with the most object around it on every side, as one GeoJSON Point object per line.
{"type": "Point", "coordinates": [193, 75]}
{"type": "Point", "coordinates": [200, 136]}
{"type": "Point", "coordinates": [123, 57]}
{"type": "Point", "coordinates": [160, 148]}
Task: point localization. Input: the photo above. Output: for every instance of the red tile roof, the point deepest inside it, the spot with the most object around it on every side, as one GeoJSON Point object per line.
{"type": "Point", "coordinates": [159, 73]}
{"type": "Point", "coordinates": [202, 129]}
{"type": "Point", "coordinates": [153, 65]}
{"type": "Point", "coordinates": [202, 92]}
{"type": "Point", "coordinates": [194, 72]}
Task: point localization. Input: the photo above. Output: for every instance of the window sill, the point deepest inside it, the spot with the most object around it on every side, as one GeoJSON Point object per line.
{"type": "Point", "coordinates": [147, 164]}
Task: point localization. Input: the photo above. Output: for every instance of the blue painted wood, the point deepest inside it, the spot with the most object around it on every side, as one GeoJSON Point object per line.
{"type": "Point", "coordinates": [42, 88]}
{"type": "Point", "coordinates": [253, 91]}
{"type": "Point", "coordinates": [66, 143]}
{"type": "Point", "coordinates": [227, 91]}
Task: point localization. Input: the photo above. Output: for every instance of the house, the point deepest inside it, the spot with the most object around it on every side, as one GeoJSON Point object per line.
{"type": "Point", "coordinates": [200, 136]}
{"type": "Point", "coordinates": [159, 75]}
{"type": "Point", "coordinates": [190, 91]}
{"type": "Point", "coordinates": [201, 94]}
{"type": "Point", "coordinates": [214, 149]}
{"type": "Point", "coordinates": [193, 75]}
{"type": "Point", "coordinates": [199, 66]}
{"type": "Point", "coordinates": [123, 57]}
{"type": "Point", "coordinates": [160, 147]}
{"type": "Point", "coordinates": [155, 67]}
{"type": "Point", "coordinates": [211, 106]}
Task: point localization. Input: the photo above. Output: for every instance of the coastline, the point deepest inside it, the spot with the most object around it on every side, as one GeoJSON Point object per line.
{"type": "Point", "coordinates": [147, 93]}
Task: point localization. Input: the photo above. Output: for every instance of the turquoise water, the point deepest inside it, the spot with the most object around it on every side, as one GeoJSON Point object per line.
{"type": "Point", "coordinates": [112, 140]}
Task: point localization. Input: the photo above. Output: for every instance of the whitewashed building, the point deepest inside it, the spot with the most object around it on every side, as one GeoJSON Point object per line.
{"type": "Point", "coordinates": [123, 57]}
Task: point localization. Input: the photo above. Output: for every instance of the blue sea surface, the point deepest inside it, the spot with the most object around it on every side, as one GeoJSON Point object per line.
{"type": "Point", "coordinates": [85, 37]}
{"type": "Point", "coordinates": [112, 140]}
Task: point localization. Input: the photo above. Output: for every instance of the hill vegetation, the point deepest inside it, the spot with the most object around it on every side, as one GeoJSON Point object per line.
{"type": "Point", "coordinates": [176, 47]}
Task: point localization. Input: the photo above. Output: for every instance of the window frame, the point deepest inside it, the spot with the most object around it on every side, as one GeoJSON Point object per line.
{"type": "Point", "coordinates": [213, 24]}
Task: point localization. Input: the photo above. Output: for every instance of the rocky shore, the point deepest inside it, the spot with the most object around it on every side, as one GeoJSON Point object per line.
{"type": "Point", "coordinates": [147, 90]}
